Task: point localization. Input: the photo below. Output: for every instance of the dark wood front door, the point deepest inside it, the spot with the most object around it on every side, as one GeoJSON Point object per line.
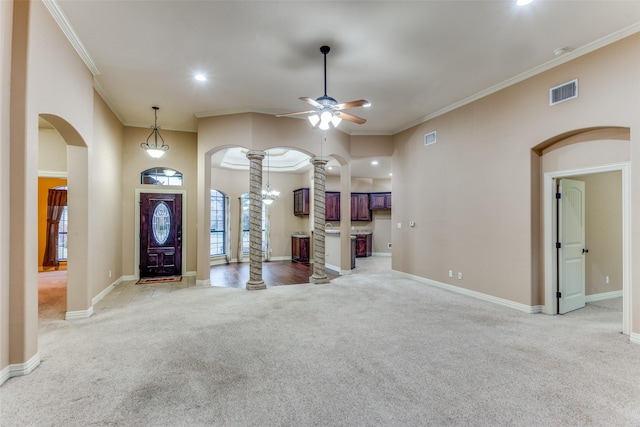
{"type": "Point", "coordinates": [160, 234]}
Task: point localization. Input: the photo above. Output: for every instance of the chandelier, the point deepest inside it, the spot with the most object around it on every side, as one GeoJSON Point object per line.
{"type": "Point", "coordinates": [269, 195]}
{"type": "Point", "coordinates": [154, 150]}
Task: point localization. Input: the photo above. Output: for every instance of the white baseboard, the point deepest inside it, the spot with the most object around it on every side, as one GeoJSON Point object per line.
{"type": "Point", "coordinates": [20, 369]}
{"type": "Point", "coordinates": [79, 314]}
{"type": "Point", "coordinates": [603, 296]}
{"type": "Point", "coordinates": [381, 253]}
{"type": "Point", "coordinates": [105, 291]}
{"type": "Point", "coordinates": [479, 295]}
{"type": "Point", "coordinates": [190, 274]}
{"type": "Point", "coordinates": [129, 277]}
{"type": "Point", "coordinates": [206, 282]}
{"type": "Point", "coordinates": [634, 337]}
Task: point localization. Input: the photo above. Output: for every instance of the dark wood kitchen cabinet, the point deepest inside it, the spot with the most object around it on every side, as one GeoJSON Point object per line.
{"type": "Point", "coordinates": [300, 249]}
{"type": "Point", "coordinates": [363, 245]}
{"type": "Point", "coordinates": [380, 200]}
{"type": "Point", "coordinates": [301, 201]}
{"type": "Point", "coordinates": [332, 206]}
{"type": "Point", "coordinates": [360, 207]}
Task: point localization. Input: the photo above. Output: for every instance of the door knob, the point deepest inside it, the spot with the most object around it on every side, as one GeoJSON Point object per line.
{"type": "Point", "coordinates": [585, 251]}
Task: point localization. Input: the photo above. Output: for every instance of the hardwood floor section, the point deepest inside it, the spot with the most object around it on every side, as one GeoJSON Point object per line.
{"type": "Point", "coordinates": [274, 273]}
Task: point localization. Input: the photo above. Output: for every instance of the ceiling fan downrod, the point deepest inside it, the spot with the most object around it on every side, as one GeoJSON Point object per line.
{"type": "Point", "coordinates": [325, 50]}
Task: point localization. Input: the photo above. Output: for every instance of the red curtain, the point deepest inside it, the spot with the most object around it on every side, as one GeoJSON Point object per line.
{"type": "Point", "coordinates": [55, 205]}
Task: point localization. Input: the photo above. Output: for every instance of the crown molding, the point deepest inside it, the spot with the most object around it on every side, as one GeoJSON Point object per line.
{"type": "Point", "coordinates": [576, 53]}
{"type": "Point", "coordinates": [54, 9]}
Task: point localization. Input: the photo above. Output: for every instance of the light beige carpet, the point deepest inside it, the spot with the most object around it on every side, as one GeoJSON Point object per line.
{"type": "Point", "coordinates": [364, 350]}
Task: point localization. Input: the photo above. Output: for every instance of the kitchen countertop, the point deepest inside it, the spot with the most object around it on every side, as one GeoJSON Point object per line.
{"type": "Point", "coordinates": [352, 232]}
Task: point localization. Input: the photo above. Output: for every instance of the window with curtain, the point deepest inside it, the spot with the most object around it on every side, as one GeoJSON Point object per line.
{"type": "Point", "coordinates": [218, 221]}
{"type": "Point", "coordinates": [56, 243]}
{"type": "Point", "coordinates": [245, 224]}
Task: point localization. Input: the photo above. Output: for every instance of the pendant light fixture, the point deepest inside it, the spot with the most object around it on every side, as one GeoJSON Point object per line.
{"type": "Point", "coordinates": [269, 195]}
{"type": "Point", "coordinates": [155, 150]}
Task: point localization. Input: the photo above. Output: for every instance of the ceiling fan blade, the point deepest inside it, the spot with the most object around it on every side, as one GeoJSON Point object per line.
{"type": "Point", "coordinates": [352, 104]}
{"type": "Point", "coordinates": [350, 117]}
{"type": "Point", "coordinates": [310, 101]}
{"type": "Point", "coordinates": [296, 113]}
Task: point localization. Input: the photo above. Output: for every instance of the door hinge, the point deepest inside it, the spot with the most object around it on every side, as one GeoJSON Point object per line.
{"type": "Point", "coordinates": [558, 294]}
{"type": "Point", "coordinates": [558, 195]}
{"type": "Point", "coordinates": [558, 245]}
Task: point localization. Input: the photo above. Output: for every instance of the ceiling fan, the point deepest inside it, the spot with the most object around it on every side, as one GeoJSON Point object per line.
{"type": "Point", "coordinates": [327, 110]}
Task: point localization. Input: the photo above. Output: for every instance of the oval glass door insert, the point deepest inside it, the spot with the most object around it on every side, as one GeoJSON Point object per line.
{"type": "Point", "coordinates": [161, 223]}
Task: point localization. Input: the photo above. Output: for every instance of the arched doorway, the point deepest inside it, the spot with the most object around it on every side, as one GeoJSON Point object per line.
{"type": "Point", "coordinates": [78, 295]}
{"type": "Point", "coordinates": [584, 153]}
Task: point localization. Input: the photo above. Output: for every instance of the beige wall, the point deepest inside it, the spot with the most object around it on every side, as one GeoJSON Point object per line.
{"type": "Point", "coordinates": [6, 29]}
{"type": "Point", "coordinates": [603, 231]}
{"type": "Point", "coordinates": [50, 80]}
{"type": "Point", "coordinates": [475, 194]}
{"type": "Point", "coordinates": [52, 153]}
{"type": "Point", "coordinates": [181, 156]}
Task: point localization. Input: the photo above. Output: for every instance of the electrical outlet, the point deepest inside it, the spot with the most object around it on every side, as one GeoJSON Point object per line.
{"type": "Point", "coordinates": [110, 274]}
{"type": "Point", "coordinates": [388, 245]}
{"type": "Point", "coordinates": [450, 273]}
{"type": "Point", "coordinates": [459, 275]}
{"type": "Point", "coordinates": [606, 280]}
{"type": "Point", "coordinates": [399, 225]}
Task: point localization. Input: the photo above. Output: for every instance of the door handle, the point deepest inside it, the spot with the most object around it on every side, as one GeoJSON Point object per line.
{"type": "Point", "coordinates": [585, 251]}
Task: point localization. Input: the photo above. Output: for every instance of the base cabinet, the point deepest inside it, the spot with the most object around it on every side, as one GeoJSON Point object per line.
{"type": "Point", "coordinates": [363, 245]}
{"type": "Point", "coordinates": [300, 249]}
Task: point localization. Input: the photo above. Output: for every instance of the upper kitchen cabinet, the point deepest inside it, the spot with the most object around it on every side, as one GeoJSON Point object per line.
{"type": "Point", "coordinates": [380, 200]}
{"type": "Point", "coordinates": [332, 206]}
{"type": "Point", "coordinates": [301, 201]}
{"type": "Point", "coordinates": [360, 207]}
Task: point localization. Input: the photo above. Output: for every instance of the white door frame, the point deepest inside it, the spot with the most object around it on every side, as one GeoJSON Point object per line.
{"type": "Point", "coordinates": [550, 285]}
{"type": "Point", "coordinates": [136, 234]}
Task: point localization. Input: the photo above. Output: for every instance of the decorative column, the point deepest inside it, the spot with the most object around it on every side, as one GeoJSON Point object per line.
{"type": "Point", "coordinates": [255, 221]}
{"type": "Point", "coordinates": [319, 272]}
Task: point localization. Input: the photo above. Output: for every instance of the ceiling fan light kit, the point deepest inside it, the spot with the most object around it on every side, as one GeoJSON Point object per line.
{"type": "Point", "coordinates": [327, 111]}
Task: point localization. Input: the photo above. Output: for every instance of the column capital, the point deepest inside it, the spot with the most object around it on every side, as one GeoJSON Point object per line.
{"type": "Point", "coordinates": [319, 161]}
{"type": "Point", "coordinates": [255, 155]}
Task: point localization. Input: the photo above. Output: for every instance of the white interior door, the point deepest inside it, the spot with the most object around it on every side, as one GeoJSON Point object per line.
{"type": "Point", "coordinates": [572, 251]}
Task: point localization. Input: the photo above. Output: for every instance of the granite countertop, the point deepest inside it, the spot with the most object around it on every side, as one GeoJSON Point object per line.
{"type": "Point", "coordinates": [352, 232]}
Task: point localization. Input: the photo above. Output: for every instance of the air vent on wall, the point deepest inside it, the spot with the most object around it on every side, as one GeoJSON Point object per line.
{"type": "Point", "coordinates": [430, 138]}
{"type": "Point", "coordinates": [563, 92]}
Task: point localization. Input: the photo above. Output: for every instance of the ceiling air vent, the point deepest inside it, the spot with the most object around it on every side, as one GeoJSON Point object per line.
{"type": "Point", "coordinates": [430, 138]}
{"type": "Point", "coordinates": [564, 92]}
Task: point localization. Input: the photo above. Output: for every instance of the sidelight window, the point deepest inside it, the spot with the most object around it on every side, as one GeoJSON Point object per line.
{"type": "Point", "coordinates": [218, 222]}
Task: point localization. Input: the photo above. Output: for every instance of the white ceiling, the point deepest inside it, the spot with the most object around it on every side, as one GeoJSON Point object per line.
{"type": "Point", "coordinates": [411, 59]}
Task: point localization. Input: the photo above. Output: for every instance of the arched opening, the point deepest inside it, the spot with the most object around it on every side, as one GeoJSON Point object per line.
{"type": "Point", "coordinates": [599, 159]}
{"type": "Point", "coordinates": [64, 154]}
{"type": "Point", "coordinates": [287, 170]}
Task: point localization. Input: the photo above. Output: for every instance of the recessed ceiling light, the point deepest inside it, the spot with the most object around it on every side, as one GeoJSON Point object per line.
{"type": "Point", "coordinates": [330, 167]}
{"type": "Point", "coordinates": [523, 2]}
{"type": "Point", "coordinates": [374, 163]}
{"type": "Point", "coordinates": [200, 77]}
{"type": "Point", "coordinates": [390, 174]}
{"type": "Point", "coordinates": [368, 104]}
